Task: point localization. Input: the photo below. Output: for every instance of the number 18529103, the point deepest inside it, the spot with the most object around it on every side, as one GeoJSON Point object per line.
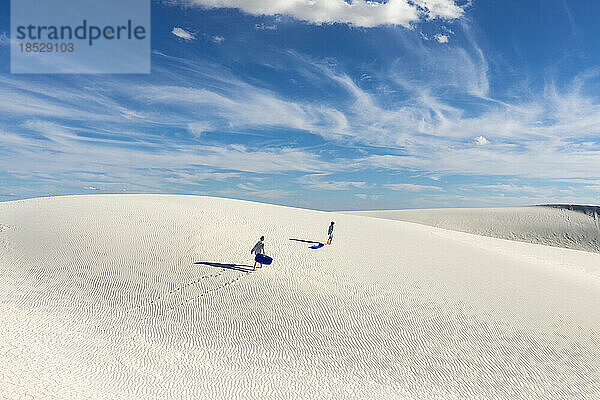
{"type": "Point", "coordinates": [64, 47]}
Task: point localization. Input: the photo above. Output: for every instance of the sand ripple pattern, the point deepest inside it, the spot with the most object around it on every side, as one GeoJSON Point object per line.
{"type": "Point", "coordinates": [152, 297]}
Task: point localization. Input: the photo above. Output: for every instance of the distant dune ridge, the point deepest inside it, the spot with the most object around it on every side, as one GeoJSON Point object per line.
{"type": "Point", "coordinates": [561, 225]}
{"type": "Point", "coordinates": [152, 297]}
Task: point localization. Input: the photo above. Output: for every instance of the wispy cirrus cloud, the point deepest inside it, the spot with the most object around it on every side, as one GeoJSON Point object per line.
{"type": "Point", "coordinates": [66, 97]}
{"type": "Point", "coordinates": [271, 194]}
{"type": "Point", "coordinates": [364, 196]}
{"type": "Point", "coordinates": [530, 137]}
{"type": "Point", "coordinates": [200, 127]}
{"type": "Point", "coordinates": [554, 160]}
{"type": "Point", "coordinates": [316, 181]}
{"type": "Point", "coordinates": [512, 189]}
{"type": "Point", "coordinates": [411, 187]}
{"type": "Point", "coordinates": [60, 158]}
{"type": "Point", "coordinates": [126, 127]}
{"type": "Point", "coordinates": [242, 105]}
{"type": "Point", "coordinates": [520, 194]}
{"type": "Point", "coordinates": [72, 151]}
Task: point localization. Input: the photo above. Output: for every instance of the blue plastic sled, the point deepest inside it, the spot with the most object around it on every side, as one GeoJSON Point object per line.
{"type": "Point", "coordinates": [262, 259]}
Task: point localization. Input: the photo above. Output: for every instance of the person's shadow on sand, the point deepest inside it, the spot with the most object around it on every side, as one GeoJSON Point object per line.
{"type": "Point", "coordinates": [234, 267]}
{"type": "Point", "coordinates": [315, 245]}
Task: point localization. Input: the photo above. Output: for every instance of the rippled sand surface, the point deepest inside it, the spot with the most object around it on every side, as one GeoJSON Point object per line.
{"type": "Point", "coordinates": [151, 297]}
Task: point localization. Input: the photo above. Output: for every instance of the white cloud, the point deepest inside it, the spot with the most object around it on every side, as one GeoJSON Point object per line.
{"type": "Point", "coordinates": [595, 188]}
{"type": "Point", "coordinates": [365, 120]}
{"type": "Point", "coordinates": [218, 39]}
{"type": "Point", "coordinates": [197, 177]}
{"type": "Point", "coordinates": [130, 114]}
{"type": "Point", "coordinates": [481, 141]}
{"type": "Point", "coordinates": [198, 128]}
{"type": "Point", "coordinates": [358, 13]}
{"type": "Point", "coordinates": [159, 162]}
{"type": "Point", "coordinates": [264, 193]}
{"type": "Point", "coordinates": [548, 159]}
{"type": "Point", "coordinates": [315, 182]}
{"type": "Point", "coordinates": [441, 38]}
{"type": "Point", "coordinates": [45, 99]}
{"type": "Point", "coordinates": [368, 196]}
{"type": "Point", "coordinates": [512, 188]}
{"type": "Point", "coordinates": [528, 138]}
{"type": "Point", "coordinates": [526, 194]}
{"type": "Point", "coordinates": [90, 188]}
{"type": "Point", "coordinates": [410, 187]}
{"type": "Point", "coordinates": [246, 106]}
{"type": "Point", "coordinates": [183, 34]}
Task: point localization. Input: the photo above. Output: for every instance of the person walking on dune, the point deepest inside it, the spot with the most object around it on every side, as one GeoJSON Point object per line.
{"type": "Point", "coordinates": [259, 248]}
{"type": "Point", "coordinates": [330, 232]}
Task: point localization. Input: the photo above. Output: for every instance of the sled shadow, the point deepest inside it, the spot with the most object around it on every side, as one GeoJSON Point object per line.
{"type": "Point", "coordinates": [234, 267]}
{"type": "Point", "coordinates": [305, 241]}
{"type": "Point", "coordinates": [315, 245]}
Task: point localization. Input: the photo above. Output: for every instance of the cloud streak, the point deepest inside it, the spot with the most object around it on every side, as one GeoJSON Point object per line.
{"type": "Point", "coordinates": [183, 34]}
{"type": "Point", "coordinates": [411, 187]}
{"type": "Point", "coordinates": [316, 182]}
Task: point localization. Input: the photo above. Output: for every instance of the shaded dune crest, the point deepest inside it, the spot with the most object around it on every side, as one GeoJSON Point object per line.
{"type": "Point", "coordinates": [574, 227]}
{"type": "Point", "coordinates": [149, 297]}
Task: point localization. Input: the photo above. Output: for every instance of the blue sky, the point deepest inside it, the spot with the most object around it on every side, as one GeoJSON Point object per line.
{"type": "Point", "coordinates": [329, 106]}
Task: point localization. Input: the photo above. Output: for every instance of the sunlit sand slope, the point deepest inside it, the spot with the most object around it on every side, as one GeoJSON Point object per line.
{"type": "Point", "coordinates": [148, 297]}
{"type": "Point", "coordinates": [572, 227]}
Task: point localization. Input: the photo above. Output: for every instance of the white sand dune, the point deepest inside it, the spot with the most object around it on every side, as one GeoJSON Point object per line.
{"type": "Point", "coordinates": [568, 226]}
{"type": "Point", "coordinates": [132, 297]}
